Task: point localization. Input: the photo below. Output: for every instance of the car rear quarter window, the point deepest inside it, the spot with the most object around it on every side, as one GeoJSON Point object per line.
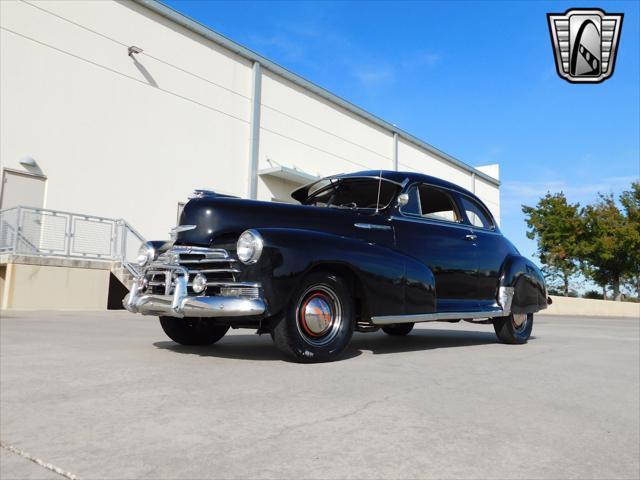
{"type": "Point", "coordinates": [476, 214]}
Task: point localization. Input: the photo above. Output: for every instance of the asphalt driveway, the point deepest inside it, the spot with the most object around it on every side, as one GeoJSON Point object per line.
{"type": "Point", "coordinates": [107, 395]}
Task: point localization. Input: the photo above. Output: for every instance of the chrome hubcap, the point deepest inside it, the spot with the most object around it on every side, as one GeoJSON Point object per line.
{"type": "Point", "coordinates": [316, 315]}
{"type": "Point", "coordinates": [319, 315]}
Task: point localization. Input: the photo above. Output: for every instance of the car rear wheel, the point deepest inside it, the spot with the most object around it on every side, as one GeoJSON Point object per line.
{"type": "Point", "coordinates": [514, 329]}
{"type": "Point", "coordinates": [192, 331]}
{"type": "Point", "coordinates": [398, 329]}
{"type": "Point", "coordinates": [318, 323]}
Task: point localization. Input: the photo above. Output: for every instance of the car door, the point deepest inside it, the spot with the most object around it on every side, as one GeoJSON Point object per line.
{"type": "Point", "coordinates": [491, 248]}
{"type": "Point", "coordinates": [430, 228]}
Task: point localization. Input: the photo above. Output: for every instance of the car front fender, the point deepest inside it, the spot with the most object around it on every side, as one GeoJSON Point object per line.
{"type": "Point", "coordinates": [384, 276]}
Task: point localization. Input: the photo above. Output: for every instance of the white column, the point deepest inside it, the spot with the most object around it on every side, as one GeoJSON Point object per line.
{"type": "Point", "coordinates": [395, 151]}
{"type": "Point", "coordinates": [254, 139]}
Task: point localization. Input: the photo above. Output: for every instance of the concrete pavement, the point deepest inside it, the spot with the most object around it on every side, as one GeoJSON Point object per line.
{"type": "Point", "coordinates": [107, 395]}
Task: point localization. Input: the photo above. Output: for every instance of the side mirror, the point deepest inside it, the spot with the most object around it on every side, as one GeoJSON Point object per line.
{"type": "Point", "coordinates": [403, 199]}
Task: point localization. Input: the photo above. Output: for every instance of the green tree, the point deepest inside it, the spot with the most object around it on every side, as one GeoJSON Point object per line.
{"type": "Point", "coordinates": [630, 201]}
{"type": "Point", "coordinates": [609, 247]}
{"type": "Point", "coordinates": [556, 225]}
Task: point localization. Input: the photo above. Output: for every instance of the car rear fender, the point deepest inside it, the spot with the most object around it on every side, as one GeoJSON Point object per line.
{"type": "Point", "coordinates": [523, 281]}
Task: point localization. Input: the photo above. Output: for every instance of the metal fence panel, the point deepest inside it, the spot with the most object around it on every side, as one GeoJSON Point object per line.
{"type": "Point", "coordinates": [8, 229]}
{"type": "Point", "coordinates": [92, 237]}
{"type": "Point", "coordinates": [34, 231]}
{"type": "Point", "coordinates": [54, 238]}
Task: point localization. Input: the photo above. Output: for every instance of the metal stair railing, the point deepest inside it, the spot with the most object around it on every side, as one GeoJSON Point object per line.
{"type": "Point", "coordinates": [54, 233]}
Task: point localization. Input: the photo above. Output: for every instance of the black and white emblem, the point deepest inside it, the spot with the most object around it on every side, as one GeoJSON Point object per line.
{"type": "Point", "coordinates": [585, 42]}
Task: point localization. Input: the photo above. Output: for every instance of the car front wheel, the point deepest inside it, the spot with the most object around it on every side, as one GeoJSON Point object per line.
{"type": "Point", "coordinates": [192, 331]}
{"type": "Point", "coordinates": [318, 323]}
{"type": "Point", "coordinates": [514, 329]}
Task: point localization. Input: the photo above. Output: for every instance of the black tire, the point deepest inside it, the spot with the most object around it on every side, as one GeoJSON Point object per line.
{"type": "Point", "coordinates": [307, 334]}
{"type": "Point", "coordinates": [398, 329]}
{"type": "Point", "coordinates": [192, 331]}
{"type": "Point", "coordinates": [514, 330]}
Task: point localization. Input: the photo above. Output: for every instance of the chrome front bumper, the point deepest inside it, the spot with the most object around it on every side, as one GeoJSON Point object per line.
{"type": "Point", "coordinates": [180, 304]}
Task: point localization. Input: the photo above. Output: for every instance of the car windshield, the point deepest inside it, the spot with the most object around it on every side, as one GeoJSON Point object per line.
{"type": "Point", "coordinates": [354, 193]}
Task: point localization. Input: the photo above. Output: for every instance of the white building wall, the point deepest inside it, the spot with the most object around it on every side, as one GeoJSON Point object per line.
{"type": "Point", "coordinates": [113, 135]}
{"type": "Point", "coordinates": [131, 137]}
{"type": "Point", "coordinates": [415, 159]}
{"type": "Point", "coordinates": [490, 195]}
{"type": "Point", "coordinates": [301, 129]}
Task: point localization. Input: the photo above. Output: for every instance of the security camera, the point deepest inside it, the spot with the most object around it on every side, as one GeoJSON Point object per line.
{"type": "Point", "coordinates": [133, 49]}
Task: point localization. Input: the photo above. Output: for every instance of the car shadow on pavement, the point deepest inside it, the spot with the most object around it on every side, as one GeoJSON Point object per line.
{"type": "Point", "coordinates": [421, 339]}
{"type": "Point", "coordinates": [237, 347]}
{"type": "Point", "coordinates": [260, 347]}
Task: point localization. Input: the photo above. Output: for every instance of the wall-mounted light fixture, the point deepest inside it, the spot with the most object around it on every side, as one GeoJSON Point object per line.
{"type": "Point", "coordinates": [31, 165]}
{"type": "Point", "coordinates": [134, 50]}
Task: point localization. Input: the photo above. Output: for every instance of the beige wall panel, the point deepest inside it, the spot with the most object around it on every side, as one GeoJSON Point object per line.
{"type": "Point", "coordinates": [39, 287]}
{"type": "Point", "coordinates": [592, 307]}
{"type": "Point", "coordinates": [3, 277]}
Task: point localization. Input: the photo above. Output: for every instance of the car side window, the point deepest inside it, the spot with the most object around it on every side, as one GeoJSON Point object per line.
{"type": "Point", "coordinates": [476, 214]}
{"type": "Point", "coordinates": [431, 203]}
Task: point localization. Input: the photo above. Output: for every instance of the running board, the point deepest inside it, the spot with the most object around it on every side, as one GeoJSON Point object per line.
{"type": "Point", "coordinates": [433, 317]}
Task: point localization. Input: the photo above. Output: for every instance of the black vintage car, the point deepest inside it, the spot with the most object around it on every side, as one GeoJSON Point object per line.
{"type": "Point", "coordinates": [362, 251]}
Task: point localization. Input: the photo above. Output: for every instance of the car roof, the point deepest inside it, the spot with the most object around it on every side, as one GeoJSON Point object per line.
{"type": "Point", "coordinates": [390, 175]}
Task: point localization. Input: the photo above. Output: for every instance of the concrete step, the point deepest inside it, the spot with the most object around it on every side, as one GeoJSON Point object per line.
{"type": "Point", "coordinates": [122, 274]}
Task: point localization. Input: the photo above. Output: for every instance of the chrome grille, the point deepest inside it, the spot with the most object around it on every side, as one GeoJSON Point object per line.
{"type": "Point", "coordinates": [216, 264]}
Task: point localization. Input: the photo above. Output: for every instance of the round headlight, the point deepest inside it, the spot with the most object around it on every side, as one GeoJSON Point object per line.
{"type": "Point", "coordinates": [249, 246]}
{"type": "Point", "coordinates": [199, 283]}
{"type": "Point", "coordinates": [146, 254]}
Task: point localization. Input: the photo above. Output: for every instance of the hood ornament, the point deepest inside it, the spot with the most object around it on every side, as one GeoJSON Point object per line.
{"type": "Point", "coordinates": [173, 233]}
{"type": "Point", "coordinates": [202, 193]}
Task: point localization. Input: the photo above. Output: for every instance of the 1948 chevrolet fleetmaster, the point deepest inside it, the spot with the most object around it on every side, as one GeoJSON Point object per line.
{"type": "Point", "coordinates": [362, 251]}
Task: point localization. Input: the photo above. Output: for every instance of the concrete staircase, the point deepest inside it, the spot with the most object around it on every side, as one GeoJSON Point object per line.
{"type": "Point", "coordinates": [122, 273]}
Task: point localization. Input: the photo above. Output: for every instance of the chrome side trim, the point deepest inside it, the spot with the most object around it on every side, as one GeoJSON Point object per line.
{"type": "Point", "coordinates": [432, 221]}
{"type": "Point", "coordinates": [372, 226]}
{"type": "Point", "coordinates": [431, 317]}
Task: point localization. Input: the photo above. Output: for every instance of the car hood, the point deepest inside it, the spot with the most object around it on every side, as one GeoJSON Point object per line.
{"type": "Point", "coordinates": [221, 220]}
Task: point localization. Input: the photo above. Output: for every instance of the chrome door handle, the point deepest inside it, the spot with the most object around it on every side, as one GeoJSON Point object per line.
{"type": "Point", "coordinates": [371, 226]}
{"type": "Point", "coordinates": [471, 236]}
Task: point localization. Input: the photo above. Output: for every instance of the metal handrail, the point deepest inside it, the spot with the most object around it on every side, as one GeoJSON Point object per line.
{"type": "Point", "coordinates": [57, 233]}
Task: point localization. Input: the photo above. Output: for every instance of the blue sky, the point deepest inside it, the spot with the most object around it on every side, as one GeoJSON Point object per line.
{"type": "Point", "coordinates": [475, 79]}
